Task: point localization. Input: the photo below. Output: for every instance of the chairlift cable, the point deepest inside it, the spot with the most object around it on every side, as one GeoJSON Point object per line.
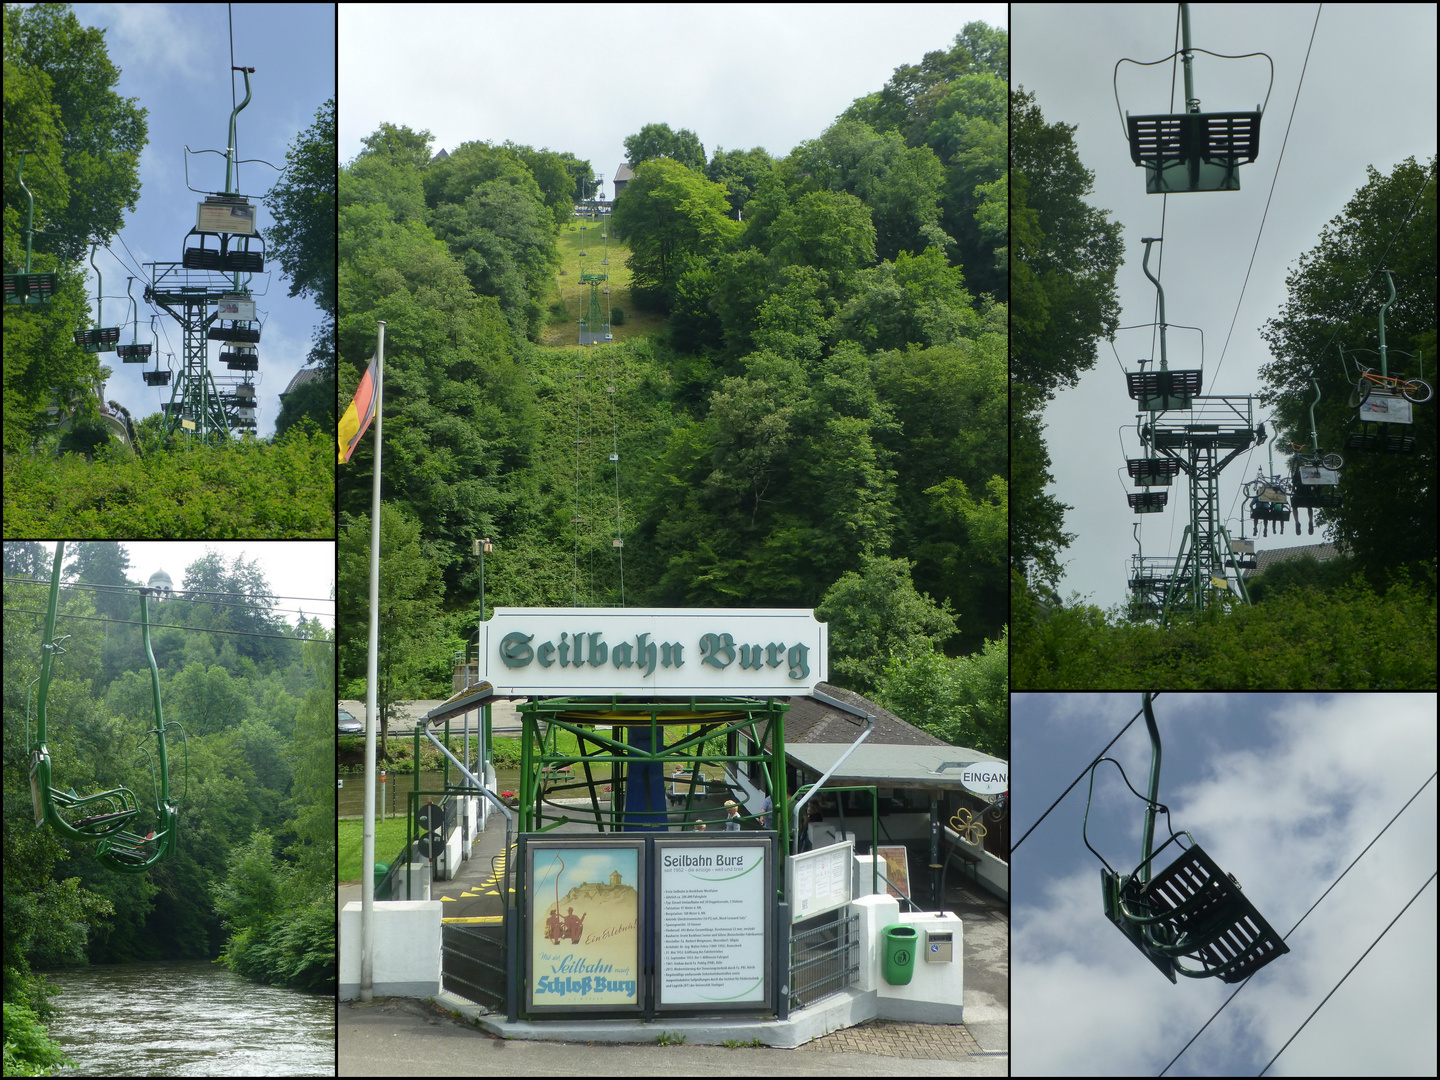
{"type": "Point", "coordinates": [1274, 179]}
{"type": "Point", "coordinates": [1303, 918]}
{"type": "Point", "coordinates": [1347, 974]}
{"type": "Point", "coordinates": [1081, 776]}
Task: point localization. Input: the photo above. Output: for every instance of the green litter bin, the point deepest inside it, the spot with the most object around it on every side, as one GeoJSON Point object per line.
{"type": "Point", "coordinates": [381, 869]}
{"type": "Point", "coordinates": [897, 954]}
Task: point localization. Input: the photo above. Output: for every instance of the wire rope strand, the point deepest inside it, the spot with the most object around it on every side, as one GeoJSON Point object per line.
{"type": "Point", "coordinates": [1302, 918]}
{"type": "Point", "coordinates": [1081, 776]}
{"type": "Point", "coordinates": [1347, 974]}
{"type": "Point", "coordinates": [1274, 179]}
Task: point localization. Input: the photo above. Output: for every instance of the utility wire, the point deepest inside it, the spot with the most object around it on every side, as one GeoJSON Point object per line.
{"type": "Point", "coordinates": [1302, 919]}
{"type": "Point", "coordinates": [167, 626]}
{"type": "Point", "coordinates": [1080, 777]}
{"type": "Point", "coordinates": [1275, 179]}
{"type": "Point", "coordinates": [1347, 974]}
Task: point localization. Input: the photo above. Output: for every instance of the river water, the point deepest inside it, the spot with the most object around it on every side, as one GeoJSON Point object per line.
{"type": "Point", "coordinates": [188, 1018]}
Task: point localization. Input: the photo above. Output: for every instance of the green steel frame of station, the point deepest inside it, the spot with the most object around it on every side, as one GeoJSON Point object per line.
{"type": "Point", "coordinates": [539, 751]}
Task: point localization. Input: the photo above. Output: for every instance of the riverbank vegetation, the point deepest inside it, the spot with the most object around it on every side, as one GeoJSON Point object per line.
{"type": "Point", "coordinates": [252, 882]}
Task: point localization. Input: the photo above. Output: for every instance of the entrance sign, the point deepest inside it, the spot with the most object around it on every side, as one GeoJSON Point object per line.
{"type": "Point", "coordinates": [986, 777]}
{"type": "Point", "coordinates": [663, 651]}
{"type": "Point", "coordinates": [584, 925]}
{"type": "Point", "coordinates": [714, 908]}
{"type": "Point", "coordinates": [819, 881]}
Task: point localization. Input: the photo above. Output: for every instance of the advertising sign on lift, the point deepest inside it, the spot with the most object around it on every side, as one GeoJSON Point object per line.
{"type": "Point", "coordinates": [232, 216]}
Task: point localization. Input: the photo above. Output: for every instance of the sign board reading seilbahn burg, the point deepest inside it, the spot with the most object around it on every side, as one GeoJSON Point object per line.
{"type": "Point", "coordinates": [718, 652]}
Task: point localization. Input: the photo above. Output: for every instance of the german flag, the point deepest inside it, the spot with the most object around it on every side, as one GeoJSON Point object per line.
{"type": "Point", "coordinates": [358, 416]}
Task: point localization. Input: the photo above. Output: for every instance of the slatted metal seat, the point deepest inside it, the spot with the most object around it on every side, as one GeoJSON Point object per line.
{"type": "Point", "coordinates": [1184, 152]}
{"type": "Point", "coordinates": [1153, 472]}
{"type": "Point", "coordinates": [1204, 916]}
{"type": "Point", "coordinates": [1156, 391]}
{"type": "Point", "coordinates": [1147, 502]}
{"type": "Point", "coordinates": [30, 288]}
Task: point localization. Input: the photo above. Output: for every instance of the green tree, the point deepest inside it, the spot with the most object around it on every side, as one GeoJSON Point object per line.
{"type": "Point", "coordinates": [657, 141]}
{"type": "Point", "coordinates": [1071, 253]}
{"type": "Point", "coordinates": [302, 237]}
{"type": "Point", "coordinates": [876, 615]}
{"type": "Point", "coordinates": [1387, 517]}
{"type": "Point", "coordinates": [103, 133]}
{"type": "Point", "coordinates": [670, 216]}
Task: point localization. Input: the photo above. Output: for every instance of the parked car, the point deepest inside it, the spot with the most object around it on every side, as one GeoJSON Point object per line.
{"type": "Point", "coordinates": [348, 725]}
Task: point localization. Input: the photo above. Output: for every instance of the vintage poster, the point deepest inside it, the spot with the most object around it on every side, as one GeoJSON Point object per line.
{"type": "Point", "coordinates": [584, 926]}
{"type": "Point", "coordinates": [896, 870]}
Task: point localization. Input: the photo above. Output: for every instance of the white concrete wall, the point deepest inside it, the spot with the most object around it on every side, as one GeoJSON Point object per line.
{"type": "Point", "coordinates": [936, 992]}
{"type": "Point", "coordinates": [407, 949]}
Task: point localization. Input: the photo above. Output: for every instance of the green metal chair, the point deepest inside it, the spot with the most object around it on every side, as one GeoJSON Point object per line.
{"type": "Point", "coordinates": [1191, 910]}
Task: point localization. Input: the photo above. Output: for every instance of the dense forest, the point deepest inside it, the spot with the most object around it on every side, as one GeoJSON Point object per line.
{"type": "Point", "coordinates": [252, 880]}
{"type": "Point", "coordinates": [804, 405]}
{"type": "Point", "coordinates": [1365, 620]}
{"type": "Point", "coordinates": [75, 463]}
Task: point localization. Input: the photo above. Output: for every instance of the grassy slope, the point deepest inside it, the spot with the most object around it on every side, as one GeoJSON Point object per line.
{"type": "Point", "coordinates": [564, 329]}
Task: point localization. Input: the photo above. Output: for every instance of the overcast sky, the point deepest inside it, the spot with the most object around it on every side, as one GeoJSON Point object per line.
{"type": "Point", "coordinates": [175, 58]}
{"type": "Point", "coordinates": [302, 573]}
{"type": "Point", "coordinates": [1282, 791]}
{"type": "Point", "coordinates": [1368, 99]}
{"type": "Point", "coordinates": [581, 78]}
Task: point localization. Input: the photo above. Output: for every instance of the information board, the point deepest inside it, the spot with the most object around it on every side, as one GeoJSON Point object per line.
{"type": "Point", "coordinates": [714, 910]}
{"type": "Point", "coordinates": [819, 881]}
{"type": "Point", "coordinates": [584, 924]}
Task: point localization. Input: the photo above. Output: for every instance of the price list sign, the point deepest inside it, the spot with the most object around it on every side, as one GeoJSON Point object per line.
{"type": "Point", "coordinates": [714, 906]}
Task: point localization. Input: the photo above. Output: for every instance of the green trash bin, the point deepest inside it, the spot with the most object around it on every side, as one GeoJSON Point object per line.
{"type": "Point", "coordinates": [897, 954]}
{"type": "Point", "coordinates": [381, 869]}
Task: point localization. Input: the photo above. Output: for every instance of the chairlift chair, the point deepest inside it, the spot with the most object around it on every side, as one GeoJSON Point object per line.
{"type": "Point", "coordinates": [134, 353]}
{"type": "Point", "coordinates": [1192, 150]}
{"type": "Point", "coordinates": [1153, 471]}
{"type": "Point", "coordinates": [28, 288]}
{"type": "Point", "coordinates": [1147, 502]}
{"type": "Point", "coordinates": [241, 358]}
{"type": "Point", "coordinates": [107, 815]}
{"type": "Point", "coordinates": [98, 339]}
{"type": "Point", "coordinates": [1191, 910]}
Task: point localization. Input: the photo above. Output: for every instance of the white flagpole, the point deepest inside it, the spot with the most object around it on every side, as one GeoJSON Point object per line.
{"type": "Point", "coordinates": [367, 862]}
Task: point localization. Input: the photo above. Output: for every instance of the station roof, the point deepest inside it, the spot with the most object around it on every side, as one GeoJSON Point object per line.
{"type": "Point", "coordinates": [889, 765]}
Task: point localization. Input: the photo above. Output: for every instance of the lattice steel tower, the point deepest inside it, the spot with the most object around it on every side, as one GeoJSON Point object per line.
{"type": "Point", "coordinates": [206, 295]}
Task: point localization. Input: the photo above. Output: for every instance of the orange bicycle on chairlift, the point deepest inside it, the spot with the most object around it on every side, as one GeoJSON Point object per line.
{"type": "Point", "coordinates": [1370, 380]}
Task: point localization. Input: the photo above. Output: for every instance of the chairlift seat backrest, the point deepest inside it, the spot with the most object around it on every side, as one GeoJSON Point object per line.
{"type": "Point", "coordinates": [1159, 390]}
{"type": "Point", "coordinates": [30, 288]}
{"type": "Point", "coordinates": [1209, 919]}
{"type": "Point", "coordinates": [1147, 502]}
{"type": "Point", "coordinates": [1184, 152]}
{"type": "Point", "coordinates": [1148, 472]}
